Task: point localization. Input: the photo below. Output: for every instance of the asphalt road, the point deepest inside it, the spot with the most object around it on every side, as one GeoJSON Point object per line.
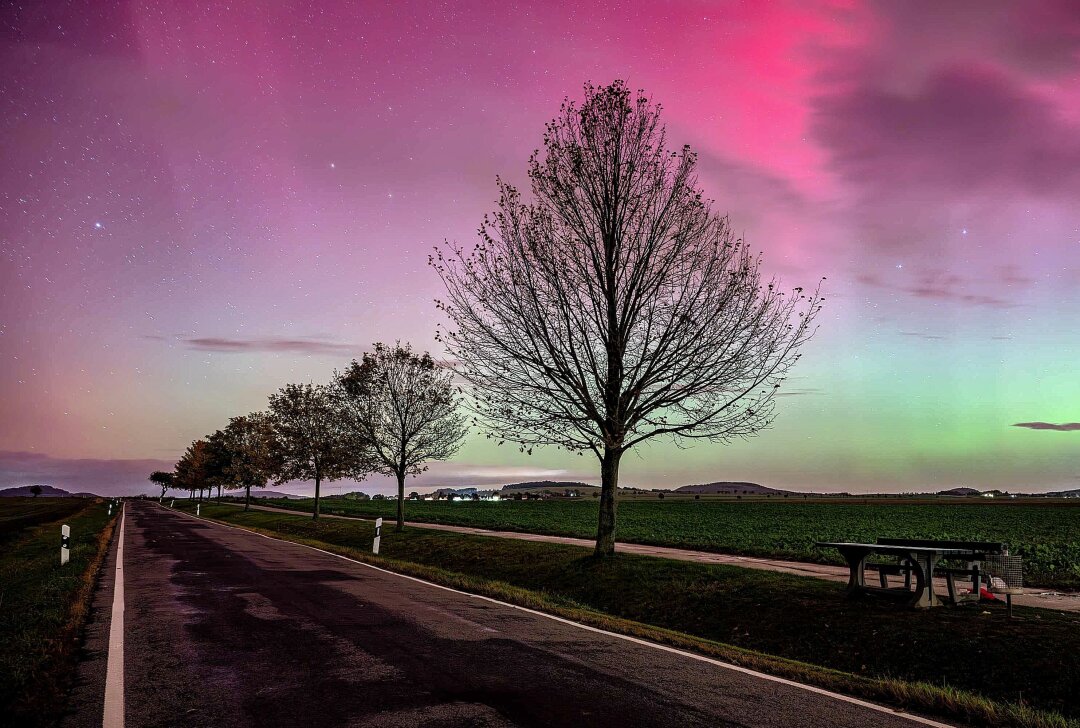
{"type": "Point", "coordinates": [227, 628]}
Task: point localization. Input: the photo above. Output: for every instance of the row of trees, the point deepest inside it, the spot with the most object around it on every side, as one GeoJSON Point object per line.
{"type": "Point", "coordinates": [612, 308]}
{"type": "Point", "coordinates": [389, 413]}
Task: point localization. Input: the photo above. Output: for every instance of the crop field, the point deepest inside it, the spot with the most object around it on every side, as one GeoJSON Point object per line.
{"type": "Point", "coordinates": [19, 514]}
{"type": "Point", "coordinates": [1046, 534]}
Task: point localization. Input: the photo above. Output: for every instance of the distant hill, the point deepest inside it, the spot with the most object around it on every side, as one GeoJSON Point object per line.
{"type": "Point", "coordinates": [541, 484]}
{"type": "Point", "coordinates": [960, 491]}
{"type": "Point", "coordinates": [1074, 493]}
{"type": "Point", "coordinates": [730, 488]}
{"type": "Point", "coordinates": [47, 491]}
{"type": "Point", "coordinates": [271, 494]}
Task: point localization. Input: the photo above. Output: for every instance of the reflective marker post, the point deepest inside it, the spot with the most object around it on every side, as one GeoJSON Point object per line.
{"type": "Point", "coordinates": [198, 507]}
{"type": "Point", "coordinates": [378, 536]}
{"type": "Point", "coordinates": [65, 544]}
{"type": "Point", "coordinates": [172, 503]}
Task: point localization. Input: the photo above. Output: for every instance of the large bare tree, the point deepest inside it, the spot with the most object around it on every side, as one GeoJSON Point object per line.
{"type": "Point", "coordinates": [402, 406]}
{"type": "Point", "coordinates": [616, 306]}
{"type": "Point", "coordinates": [310, 440]}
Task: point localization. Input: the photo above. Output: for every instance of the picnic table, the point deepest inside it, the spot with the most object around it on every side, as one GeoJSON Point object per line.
{"type": "Point", "coordinates": [917, 561]}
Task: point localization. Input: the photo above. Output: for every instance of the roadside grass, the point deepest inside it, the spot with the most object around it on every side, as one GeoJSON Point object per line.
{"type": "Point", "coordinates": [1046, 533]}
{"type": "Point", "coordinates": [966, 663]}
{"type": "Point", "coordinates": [44, 606]}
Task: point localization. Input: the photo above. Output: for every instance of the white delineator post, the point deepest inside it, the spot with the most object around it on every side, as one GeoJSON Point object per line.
{"type": "Point", "coordinates": [378, 536]}
{"type": "Point", "coordinates": [172, 503]}
{"type": "Point", "coordinates": [198, 507]}
{"type": "Point", "coordinates": [65, 544]}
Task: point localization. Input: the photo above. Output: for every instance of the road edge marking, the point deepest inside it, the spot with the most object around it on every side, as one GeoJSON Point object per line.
{"type": "Point", "coordinates": [627, 638]}
{"type": "Point", "coordinates": [113, 715]}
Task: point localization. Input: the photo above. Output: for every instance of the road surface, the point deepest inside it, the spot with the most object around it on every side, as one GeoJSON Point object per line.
{"type": "Point", "coordinates": [223, 627]}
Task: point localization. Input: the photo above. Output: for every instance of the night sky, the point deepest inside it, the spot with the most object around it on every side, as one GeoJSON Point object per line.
{"type": "Point", "coordinates": [201, 202]}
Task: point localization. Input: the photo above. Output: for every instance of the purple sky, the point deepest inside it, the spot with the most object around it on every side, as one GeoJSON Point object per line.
{"type": "Point", "coordinates": [201, 202]}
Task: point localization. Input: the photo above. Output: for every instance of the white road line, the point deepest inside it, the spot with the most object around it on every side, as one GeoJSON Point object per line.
{"type": "Point", "coordinates": [114, 670]}
{"type": "Point", "coordinates": [700, 658]}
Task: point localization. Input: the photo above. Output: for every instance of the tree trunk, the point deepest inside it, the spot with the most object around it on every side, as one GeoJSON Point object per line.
{"type": "Point", "coordinates": [247, 498]}
{"type": "Point", "coordinates": [400, 501]}
{"type": "Point", "coordinates": [219, 494]}
{"type": "Point", "coordinates": [609, 483]}
{"type": "Point", "coordinates": [315, 515]}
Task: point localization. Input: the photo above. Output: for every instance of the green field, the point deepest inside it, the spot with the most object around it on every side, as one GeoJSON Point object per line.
{"type": "Point", "coordinates": [1045, 533]}
{"type": "Point", "coordinates": [1032, 661]}
{"type": "Point", "coordinates": [19, 514]}
{"type": "Point", "coordinates": [42, 605]}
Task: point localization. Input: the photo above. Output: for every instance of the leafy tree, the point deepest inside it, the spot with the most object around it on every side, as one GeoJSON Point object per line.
{"type": "Point", "coordinates": [35, 490]}
{"type": "Point", "coordinates": [616, 306]}
{"type": "Point", "coordinates": [162, 479]}
{"type": "Point", "coordinates": [191, 471]}
{"type": "Point", "coordinates": [401, 406]}
{"type": "Point", "coordinates": [253, 456]}
{"type": "Point", "coordinates": [219, 459]}
{"type": "Point", "coordinates": [311, 440]}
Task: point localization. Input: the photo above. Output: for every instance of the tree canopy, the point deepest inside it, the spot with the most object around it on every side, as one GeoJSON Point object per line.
{"type": "Point", "coordinates": [310, 438]}
{"type": "Point", "coordinates": [616, 305]}
{"type": "Point", "coordinates": [402, 406]}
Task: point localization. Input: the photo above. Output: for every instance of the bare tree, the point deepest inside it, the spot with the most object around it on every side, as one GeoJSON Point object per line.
{"type": "Point", "coordinates": [617, 306]}
{"type": "Point", "coordinates": [253, 459]}
{"type": "Point", "coordinates": [309, 437]}
{"type": "Point", "coordinates": [402, 406]}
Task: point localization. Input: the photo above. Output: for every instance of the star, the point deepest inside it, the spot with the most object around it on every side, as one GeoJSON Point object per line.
{"type": "Point", "coordinates": [98, 225]}
{"type": "Point", "coordinates": [332, 166]}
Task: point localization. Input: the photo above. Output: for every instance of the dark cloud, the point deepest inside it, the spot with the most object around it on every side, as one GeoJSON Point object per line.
{"type": "Point", "coordinates": [953, 294]}
{"type": "Point", "coordinates": [1064, 427]}
{"type": "Point", "coordinates": [799, 392]}
{"type": "Point", "coordinates": [1011, 276]}
{"type": "Point", "coordinates": [921, 335]}
{"type": "Point", "coordinates": [1036, 37]}
{"type": "Point", "coordinates": [968, 130]}
{"type": "Point", "coordinates": [101, 476]}
{"type": "Point", "coordinates": [273, 345]}
{"type": "Point", "coordinates": [1046, 35]}
{"type": "Point", "coordinates": [936, 285]}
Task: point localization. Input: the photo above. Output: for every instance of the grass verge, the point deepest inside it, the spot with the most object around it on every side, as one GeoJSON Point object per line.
{"type": "Point", "coordinates": [43, 608]}
{"type": "Point", "coordinates": [1046, 534]}
{"type": "Point", "coordinates": [967, 664]}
